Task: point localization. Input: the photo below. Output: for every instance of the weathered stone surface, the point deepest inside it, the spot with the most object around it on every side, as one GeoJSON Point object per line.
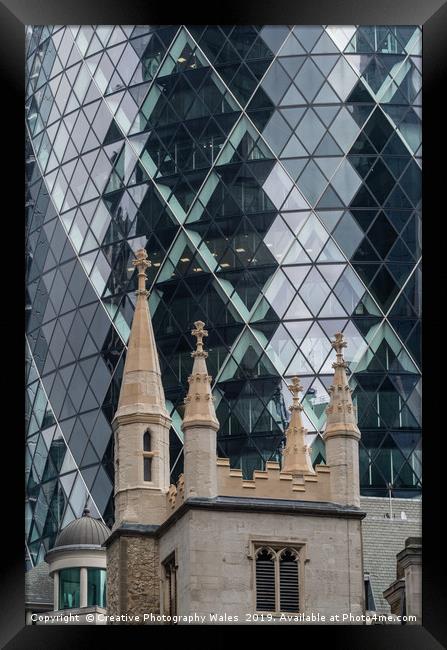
{"type": "Point", "coordinates": [113, 578]}
{"type": "Point", "coordinates": [273, 483]}
{"type": "Point", "coordinates": [200, 462]}
{"type": "Point", "coordinates": [214, 553]}
{"type": "Point", "coordinates": [137, 500]}
{"type": "Point", "coordinates": [341, 434]}
{"type": "Point", "coordinates": [342, 454]}
{"type": "Point", "coordinates": [296, 456]}
{"type": "Point", "coordinates": [133, 584]}
{"type": "Point", "coordinates": [141, 409]}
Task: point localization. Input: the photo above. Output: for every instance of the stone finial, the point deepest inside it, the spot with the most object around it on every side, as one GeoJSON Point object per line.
{"type": "Point", "coordinates": [141, 387]}
{"type": "Point", "coordinates": [295, 388]}
{"type": "Point", "coordinates": [341, 415]}
{"type": "Point", "coordinates": [200, 333]}
{"type": "Point", "coordinates": [296, 453]}
{"type": "Point", "coordinates": [199, 402]}
{"type": "Point", "coordinates": [338, 344]}
{"type": "Point", "coordinates": [141, 262]}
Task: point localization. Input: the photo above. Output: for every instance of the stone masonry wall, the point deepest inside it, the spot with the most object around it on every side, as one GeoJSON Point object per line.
{"type": "Point", "coordinates": [113, 578]}
{"type": "Point", "coordinates": [383, 538]}
{"type": "Point", "coordinates": [215, 562]}
{"type": "Point", "coordinates": [134, 584]}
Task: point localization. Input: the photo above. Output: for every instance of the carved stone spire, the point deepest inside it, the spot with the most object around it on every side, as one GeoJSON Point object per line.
{"type": "Point", "coordinates": [341, 435]}
{"type": "Point", "coordinates": [296, 453]}
{"type": "Point", "coordinates": [141, 388]}
{"type": "Point", "coordinates": [141, 420]}
{"type": "Point", "coordinates": [341, 415]}
{"type": "Point", "coordinates": [199, 402]}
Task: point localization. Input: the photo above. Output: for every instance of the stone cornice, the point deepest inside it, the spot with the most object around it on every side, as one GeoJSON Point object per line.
{"type": "Point", "coordinates": [409, 556]}
{"type": "Point", "coordinates": [238, 504]}
{"type": "Point", "coordinates": [394, 591]}
{"type": "Point", "coordinates": [141, 417]}
{"type": "Point", "coordinates": [341, 429]}
{"type": "Point", "coordinates": [51, 555]}
{"type": "Point", "coordinates": [199, 422]}
{"type": "Point", "coordinates": [126, 529]}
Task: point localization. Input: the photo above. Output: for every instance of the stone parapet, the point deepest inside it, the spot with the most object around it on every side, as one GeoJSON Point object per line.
{"type": "Point", "coordinates": [273, 483]}
{"type": "Point", "coordinates": [269, 483]}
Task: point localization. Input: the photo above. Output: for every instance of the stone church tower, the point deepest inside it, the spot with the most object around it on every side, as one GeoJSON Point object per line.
{"type": "Point", "coordinates": [141, 429]}
{"type": "Point", "coordinates": [217, 546]}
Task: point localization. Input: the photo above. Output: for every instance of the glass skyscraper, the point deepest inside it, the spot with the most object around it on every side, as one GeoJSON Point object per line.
{"type": "Point", "coordinates": [273, 174]}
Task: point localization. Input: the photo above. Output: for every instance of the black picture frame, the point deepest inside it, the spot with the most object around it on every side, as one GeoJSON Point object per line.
{"type": "Point", "coordinates": [432, 15]}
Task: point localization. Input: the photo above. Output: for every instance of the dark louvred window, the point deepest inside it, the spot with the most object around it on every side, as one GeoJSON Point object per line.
{"type": "Point", "coordinates": [265, 580]}
{"type": "Point", "coordinates": [288, 581]}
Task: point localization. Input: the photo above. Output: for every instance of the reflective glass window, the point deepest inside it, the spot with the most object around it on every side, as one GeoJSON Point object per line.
{"type": "Point", "coordinates": [69, 588]}
{"type": "Point", "coordinates": [96, 587]}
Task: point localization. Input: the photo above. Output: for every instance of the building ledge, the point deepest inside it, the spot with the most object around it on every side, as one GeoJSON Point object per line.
{"type": "Point", "coordinates": [237, 504]}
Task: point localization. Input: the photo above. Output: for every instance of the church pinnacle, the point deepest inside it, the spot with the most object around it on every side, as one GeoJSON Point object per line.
{"type": "Point", "coordinates": [199, 402]}
{"type": "Point", "coordinates": [341, 435]}
{"type": "Point", "coordinates": [296, 453]}
{"type": "Point", "coordinates": [141, 388]}
{"type": "Point", "coordinates": [341, 415]}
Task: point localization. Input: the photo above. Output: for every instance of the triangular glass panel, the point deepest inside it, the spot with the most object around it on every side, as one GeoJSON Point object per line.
{"type": "Point", "coordinates": [326, 96]}
{"type": "Point", "coordinates": [292, 97]}
{"type": "Point", "coordinates": [279, 293]}
{"type": "Point", "coordinates": [332, 308]}
{"type": "Point", "coordinates": [328, 147]}
{"type": "Point", "coordinates": [311, 182]}
{"type": "Point", "coordinates": [314, 291]}
{"type": "Point", "coordinates": [296, 274]}
{"type": "Point", "coordinates": [292, 47]}
{"type": "Point", "coordinates": [330, 200]}
{"type": "Point", "coordinates": [299, 365]}
{"type": "Point", "coordinates": [293, 148]}
{"type": "Point", "coordinates": [328, 165]}
{"type": "Point", "coordinates": [296, 255]}
{"type": "Point", "coordinates": [331, 253]}
{"type": "Point", "coordinates": [359, 94]}
{"type": "Point", "coordinates": [308, 35]}
{"type": "Point", "coordinates": [297, 310]}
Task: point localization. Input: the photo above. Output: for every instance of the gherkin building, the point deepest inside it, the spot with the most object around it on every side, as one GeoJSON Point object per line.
{"type": "Point", "coordinates": [273, 174]}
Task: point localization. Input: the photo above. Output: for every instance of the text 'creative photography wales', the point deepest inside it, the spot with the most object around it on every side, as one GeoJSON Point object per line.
{"type": "Point", "coordinates": [223, 305]}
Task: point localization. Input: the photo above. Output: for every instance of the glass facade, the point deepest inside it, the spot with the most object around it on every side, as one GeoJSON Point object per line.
{"type": "Point", "coordinates": [96, 587]}
{"type": "Point", "coordinates": [69, 588]}
{"type": "Point", "coordinates": [273, 173]}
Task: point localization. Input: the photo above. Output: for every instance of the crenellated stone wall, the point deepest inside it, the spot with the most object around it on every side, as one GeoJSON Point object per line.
{"type": "Point", "coordinates": [273, 484]}
{"type": "Point", "coordinates": [269, 484]}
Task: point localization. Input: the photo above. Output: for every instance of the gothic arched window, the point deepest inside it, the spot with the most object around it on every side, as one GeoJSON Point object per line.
{"type": "Point", "coordinates": [277, 579]}
{"type": "Point", "coordinates": [288, 581]}
{"type": "Point", "coordinates": [265, 580]}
